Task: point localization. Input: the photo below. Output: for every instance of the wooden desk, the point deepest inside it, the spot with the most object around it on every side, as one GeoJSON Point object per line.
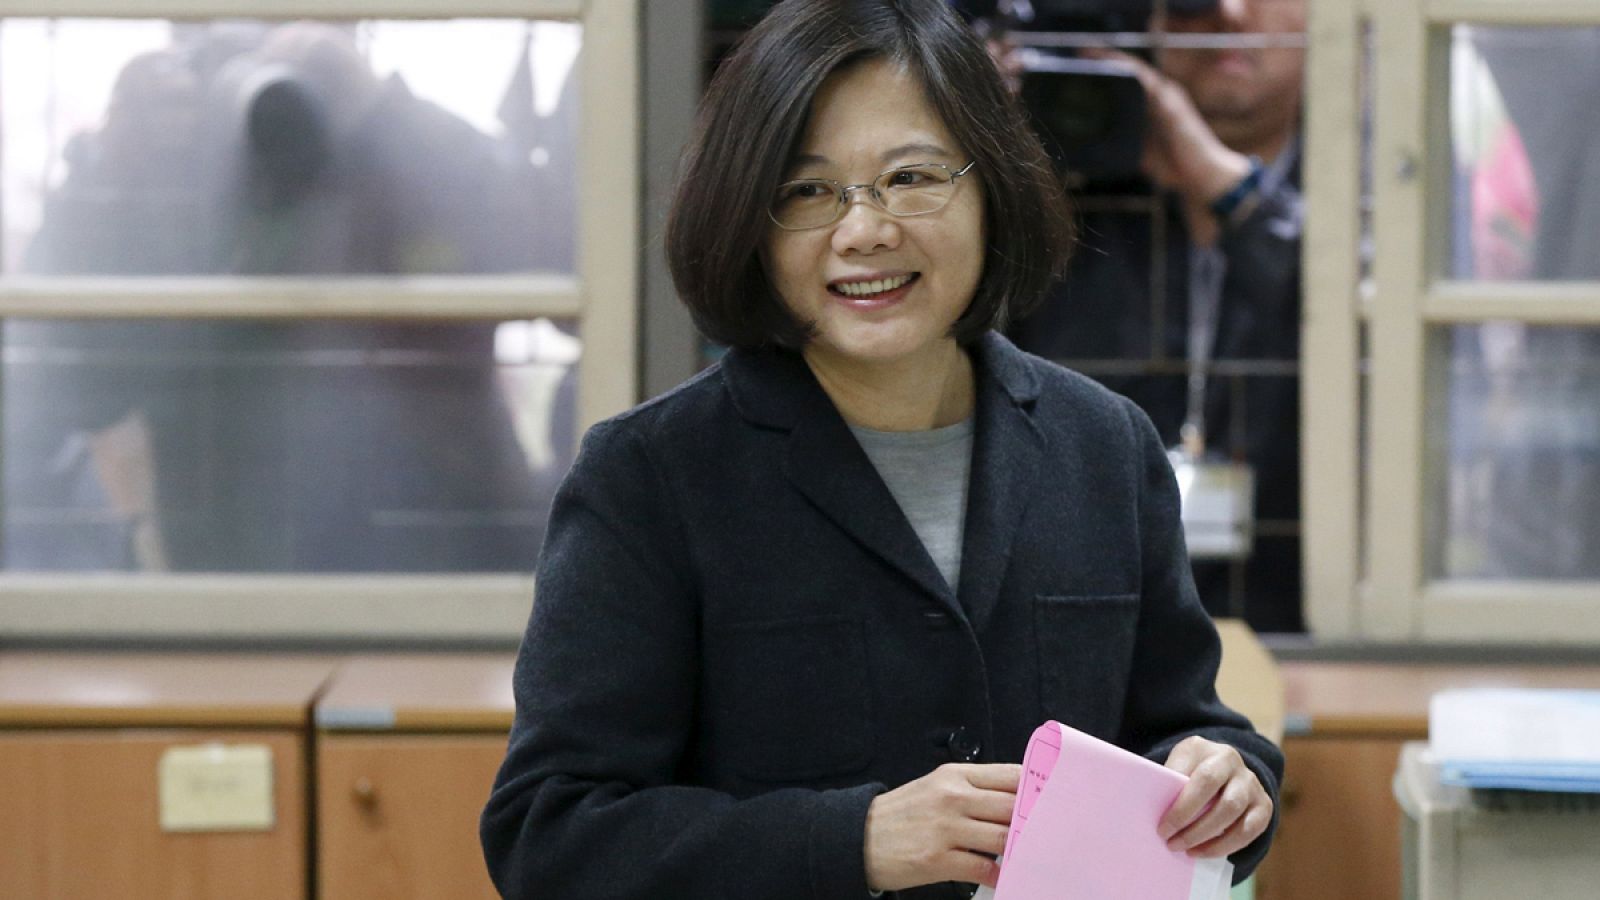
{"type": "Point", "coordinates": [81, 736]}
{"type": "Point", "coordinates": [1339, 837]}
{"type": "Point", "coordinates": [407, 749]}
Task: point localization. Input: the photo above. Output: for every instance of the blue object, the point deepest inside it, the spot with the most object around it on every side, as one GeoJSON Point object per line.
{"type": "Point", "coordinates": [1225, 206]}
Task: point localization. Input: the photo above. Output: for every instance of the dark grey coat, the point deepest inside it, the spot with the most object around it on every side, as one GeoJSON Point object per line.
{"type": "Point", "coordinates": [739, 641]}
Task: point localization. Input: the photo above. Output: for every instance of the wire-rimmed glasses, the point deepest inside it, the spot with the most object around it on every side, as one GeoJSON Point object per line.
{"type": "Point", "coordinates": [914, 190]}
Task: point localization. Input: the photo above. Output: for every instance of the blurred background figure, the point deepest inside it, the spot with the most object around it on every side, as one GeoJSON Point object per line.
{"type": "Point", "coordinates": [1523, 419]}
{"type": "Point", "coordinates": [249, 149]}
{"type": "Point", "coordinates": [1202, 277]}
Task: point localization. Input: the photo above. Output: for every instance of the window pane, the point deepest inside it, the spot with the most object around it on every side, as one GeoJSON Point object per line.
{"type": "Point", "coordinates": [271, 447]}
{"type": "Point", "coordinates": [1526, 147]}
{"type": "Point", "coordinates": [1520, 449]}
{"type": "Point", "coordinates": [152, 147]}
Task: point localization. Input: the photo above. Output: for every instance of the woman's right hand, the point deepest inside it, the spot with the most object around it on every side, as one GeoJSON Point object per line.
{"type": "Point", "coordinates": [945, 826]}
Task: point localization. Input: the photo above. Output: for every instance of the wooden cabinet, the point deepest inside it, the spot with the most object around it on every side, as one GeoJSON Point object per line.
{"type": "Point", "coordinates": [81, 740]}
{"type": "Point", "coordinates": [1339, 837]}
{"type": "Point", "coordinates": [407, 749]}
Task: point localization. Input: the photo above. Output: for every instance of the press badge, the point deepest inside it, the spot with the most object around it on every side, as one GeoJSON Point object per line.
{"type": "Point", "coordinates": [1218, 502]}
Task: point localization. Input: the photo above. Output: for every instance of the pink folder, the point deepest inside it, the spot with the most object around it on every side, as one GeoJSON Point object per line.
{"type": "Point", "coordinates": [1084, 827]}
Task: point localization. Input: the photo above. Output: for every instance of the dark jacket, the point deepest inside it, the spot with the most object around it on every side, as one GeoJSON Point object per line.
{"type": "Point", "coordinates": [739, 640]}
{"type": "Point", "coordinates": [1103, 310]}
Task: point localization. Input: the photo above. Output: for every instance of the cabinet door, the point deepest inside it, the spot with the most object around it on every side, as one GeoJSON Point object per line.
{"type": "Point", "coordinates": [397, 815]}
{"type": "Point", "coordinates": [1339, 837]}
{"type": "Point", "coordinates": [80, 817]}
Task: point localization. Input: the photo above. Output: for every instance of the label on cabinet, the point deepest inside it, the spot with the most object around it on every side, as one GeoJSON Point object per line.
{"type": "Point", "coordinates": [216, 787]}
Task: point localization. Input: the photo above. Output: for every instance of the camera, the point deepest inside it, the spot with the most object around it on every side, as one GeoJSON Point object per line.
{"type": "Point", "coordinates": [1090, 113]}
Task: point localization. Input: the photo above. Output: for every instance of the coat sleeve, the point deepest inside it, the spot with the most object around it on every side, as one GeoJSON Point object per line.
{"type": "Point", "coordinates": [1173, 691]}
{"type": "Point", "coordinates": [589, 802]}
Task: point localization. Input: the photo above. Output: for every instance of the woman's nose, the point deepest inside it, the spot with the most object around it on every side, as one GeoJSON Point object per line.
{"type": "Point", "coordinates": [865, 226]}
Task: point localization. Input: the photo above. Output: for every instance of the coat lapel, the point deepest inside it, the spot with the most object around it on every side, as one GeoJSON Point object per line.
{"type": "Point", "coordinates": [827, 465]}
{"type": "Point", "coordinates": [1007, 461]}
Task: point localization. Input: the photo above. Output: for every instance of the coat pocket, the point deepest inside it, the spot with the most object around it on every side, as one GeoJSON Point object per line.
{"type": "Point", "coordinates": [794, 697]}
{"type": "Point", "coordinates": [1085, 644]}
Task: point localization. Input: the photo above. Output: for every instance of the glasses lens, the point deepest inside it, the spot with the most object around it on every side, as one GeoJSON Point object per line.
{"type": "Point", "coordinates": [913, 190]}
{"type": "Point", "coordinates": [805, 204]}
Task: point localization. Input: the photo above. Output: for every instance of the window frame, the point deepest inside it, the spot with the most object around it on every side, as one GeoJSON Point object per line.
{"type": "Point", "coordinates": [602, 297]}
{"type": "Point", "coordinates": [1366, 537]}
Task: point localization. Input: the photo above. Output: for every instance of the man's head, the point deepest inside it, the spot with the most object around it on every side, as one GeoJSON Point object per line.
{"type": "Point", "coordinates": [1249, 94]}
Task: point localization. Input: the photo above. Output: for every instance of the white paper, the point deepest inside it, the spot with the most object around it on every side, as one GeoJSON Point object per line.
{"type": "Point", "coordinates": [1213, 879]}
{"type": "Point", "coordinates": [1515, 725]}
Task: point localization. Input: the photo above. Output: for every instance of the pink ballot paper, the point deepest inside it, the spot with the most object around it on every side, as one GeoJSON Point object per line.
{"type": "Point", "coordinates": [1084, 827]}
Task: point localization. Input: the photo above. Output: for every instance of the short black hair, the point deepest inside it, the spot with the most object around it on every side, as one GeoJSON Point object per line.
{"type": "Point", "coordinates": [754, 115]}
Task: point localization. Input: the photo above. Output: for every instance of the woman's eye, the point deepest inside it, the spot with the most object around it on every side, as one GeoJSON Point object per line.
{"type": "Point", "coordinates": [910, 178]}
{"type": "Point", "coordinates": [803, 190]}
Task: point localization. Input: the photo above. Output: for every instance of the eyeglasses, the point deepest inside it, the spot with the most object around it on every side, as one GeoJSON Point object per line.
{"type": "Point", "coordinates": [903, 191]}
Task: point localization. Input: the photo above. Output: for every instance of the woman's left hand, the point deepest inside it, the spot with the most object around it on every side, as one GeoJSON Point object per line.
{"type": "Point", "coordinates": [1222, 808]}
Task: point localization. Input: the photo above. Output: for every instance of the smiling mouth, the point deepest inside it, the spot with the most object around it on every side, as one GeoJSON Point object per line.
{"type": "Point", "coordinates": [868, 289]}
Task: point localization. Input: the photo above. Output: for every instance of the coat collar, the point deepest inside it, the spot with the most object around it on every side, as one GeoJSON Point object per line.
{"type": "Point", "coordinates": [775, 389]}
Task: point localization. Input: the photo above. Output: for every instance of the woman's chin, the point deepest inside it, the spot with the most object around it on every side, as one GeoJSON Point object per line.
{"type": "Point", "coordinates": [878, 349]}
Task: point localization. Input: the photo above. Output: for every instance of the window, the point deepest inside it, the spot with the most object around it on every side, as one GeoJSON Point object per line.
{"type": "Point", "coordinates": [1482, 459]}
{"type": "Point", "coordinates": [301, 319]}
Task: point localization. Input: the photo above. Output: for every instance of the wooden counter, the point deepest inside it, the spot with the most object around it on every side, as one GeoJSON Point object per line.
{"type": "Point", "coordinates": [81, 740]}
{"type": "Point", "coordinates": [1249, 679]}
{"type": "Point", "coordinates": [1344, 726]}
{"type": "Point", "coordinates": [1391, 699]}
{"type": "Point", "coordinates": [407, 749]}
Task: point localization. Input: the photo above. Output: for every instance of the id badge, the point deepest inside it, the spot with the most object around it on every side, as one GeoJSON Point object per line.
{"type": "Point", "coordinates": [1218, 502]}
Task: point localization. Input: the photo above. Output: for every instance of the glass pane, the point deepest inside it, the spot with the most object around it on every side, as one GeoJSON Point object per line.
{"type": "Point", "coordinates": [1526, 145]}
{"type": "Point", "coordinates": [150, 147]}
{"type": "Point", "coordinates": [1518, 437]}
{"type": "Point", "coordinates": [270, 447]}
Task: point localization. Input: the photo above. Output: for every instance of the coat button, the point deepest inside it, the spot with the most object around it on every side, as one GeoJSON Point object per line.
{"type": "Point", "coordinates": [963, 745]}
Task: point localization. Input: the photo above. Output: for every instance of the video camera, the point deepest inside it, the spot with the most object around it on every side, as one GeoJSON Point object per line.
{"type": "Point", "coordinates": [1090, 113]}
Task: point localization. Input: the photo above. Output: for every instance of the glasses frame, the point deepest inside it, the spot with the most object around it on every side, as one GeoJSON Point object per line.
{"type": "Point", "coordinates": [872, 193]}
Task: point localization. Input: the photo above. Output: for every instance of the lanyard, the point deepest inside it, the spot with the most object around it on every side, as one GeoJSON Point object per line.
{"type": "Point", "coordinates": [1208, 268]}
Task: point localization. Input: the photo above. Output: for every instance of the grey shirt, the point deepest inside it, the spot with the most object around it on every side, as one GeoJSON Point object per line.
{"type": "Point", "coordinates": [927, 472]}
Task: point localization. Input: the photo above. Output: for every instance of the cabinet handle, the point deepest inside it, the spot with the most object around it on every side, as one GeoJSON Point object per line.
{"type": "Point", "coordinates": [365, 792]}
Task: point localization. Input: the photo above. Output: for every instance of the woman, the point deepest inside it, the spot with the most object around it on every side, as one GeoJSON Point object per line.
{"type": "Point", "coordinates": [798, 618]}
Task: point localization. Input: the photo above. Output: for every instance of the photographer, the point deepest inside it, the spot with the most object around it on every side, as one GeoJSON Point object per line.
{"type": "Point", "coordinates": [1222, 146]}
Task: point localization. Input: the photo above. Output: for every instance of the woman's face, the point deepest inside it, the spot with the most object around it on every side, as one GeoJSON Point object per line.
{"type": "Point", "coordinates": [866, 119]}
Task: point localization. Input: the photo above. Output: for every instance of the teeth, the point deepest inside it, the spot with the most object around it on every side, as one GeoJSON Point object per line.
{"type": "Point", "coordinates": [868, 288]}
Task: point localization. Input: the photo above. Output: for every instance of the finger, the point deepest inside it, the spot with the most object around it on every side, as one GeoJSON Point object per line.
{"type": "Point", "coordinates": [961, 865]}
{"type": "Point", "coordinates": [990, 806]}
{"type": "Point", "coordinates": [993, 776]}
{"type": "Point", "coordinates": [1207, 780]}
{"type": "Point", "coordinates": [980, 837]}
{"type": "Point", "coordinates": [1246, 830]}
{"type": "Point", "coordinates": [1188, 754]}
{"type": "Point", "coordinates": [1230, 806]}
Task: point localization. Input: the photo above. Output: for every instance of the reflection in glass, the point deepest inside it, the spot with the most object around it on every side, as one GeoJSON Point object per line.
{"type": "Point", "coordinates": [1525, 136]}
{"type": "Point", "coordinates": [235, 147]}
{"type": "Point", "coordinates": [1522, 454]}
{"type": "Point", "coordinates": [192, 446]}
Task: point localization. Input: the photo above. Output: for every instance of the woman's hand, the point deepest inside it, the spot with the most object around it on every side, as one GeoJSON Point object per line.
{"type": "Point", "coordinates": [945, 826]}
{"type": "Point", "coordinates": [1222, 808]}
